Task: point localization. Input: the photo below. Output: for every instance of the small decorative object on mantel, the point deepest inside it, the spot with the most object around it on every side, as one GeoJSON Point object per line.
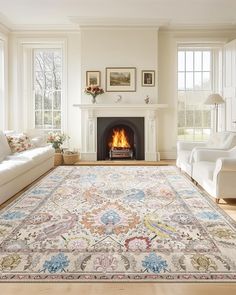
{"type": "Point", "coordinates": [118, 98]}
{"type": "Point", "coordinates": [147, 99]}
{"type": "Point", "coordinates": [94, 91]}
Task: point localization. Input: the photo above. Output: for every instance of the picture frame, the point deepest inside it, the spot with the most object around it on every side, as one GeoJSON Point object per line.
{"type": "Point", "coordinates": [120, 79]}
{"type": "Point", "coordinates": [148, 78]}
{"type": "Point", "coordinates": [93, 78]}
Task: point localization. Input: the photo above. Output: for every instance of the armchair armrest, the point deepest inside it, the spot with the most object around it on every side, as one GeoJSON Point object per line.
{"type": "Point", "coordinates": [183, 145]}
{"type": "Point", "coordinates": [226, 164]}
{"type": "Point", "coordinates": [223, 165]}
{"type": "Point", "coordinates": [210, 155]}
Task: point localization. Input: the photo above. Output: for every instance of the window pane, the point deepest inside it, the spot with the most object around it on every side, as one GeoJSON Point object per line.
{"type": "Point", "coordinates": [57, 81]}
{"type": "Point", "coordinates": [197, 61]}
{"type": "Point", "coordinates": [38, 120]}
{"type": "Point", "coordinates": [49, 80]}
{"type": "Point", "coordinates": [57, 120]}
{"type": "Point", "coordinates": [57, 100]}
{"type": "Point", "coordinates": [181, 81]}
{"type": "Point", "coordinates": [47, 101]}
{"type": "Point", "coordinates": [197, 80]}
{"type": "Point", "coordinates": [48, 120]}
{"type": "Point", "coordinates": [198, 118]}
{"type": "Point", "coordinates": [206, 61]}
{"type": "Point", "coordinates": [189, 60]}
{"type": "Point", "coordinates": [189, 117]}
{"type": "Point", "coordinates": [181, 118]}
{"type": "Point", "coordinates": [39, 80]}
{"type": "Point", "coordinates": [181, 61]}
{"type": "Point", "coordinates": [189, 80]}
{"type": "Point", "coordinates": [38, 100]}
{"type": "Point", "coordinates": [206, 81]}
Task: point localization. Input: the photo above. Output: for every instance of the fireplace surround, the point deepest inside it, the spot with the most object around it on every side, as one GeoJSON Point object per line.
{"type": "Point", "coordinates": [89, 132]}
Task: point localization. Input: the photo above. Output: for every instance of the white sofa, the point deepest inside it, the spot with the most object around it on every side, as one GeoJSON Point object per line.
{"type": "Point", "coordinates": [20, 169]}
{"type": "Point", "coordinates": [215, 171]}
{"type": "Point", "coordinates": [186, 150]}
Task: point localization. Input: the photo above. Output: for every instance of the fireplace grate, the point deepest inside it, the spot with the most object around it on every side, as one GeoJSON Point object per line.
{"type": "Point", "coordinates": [120, 153]}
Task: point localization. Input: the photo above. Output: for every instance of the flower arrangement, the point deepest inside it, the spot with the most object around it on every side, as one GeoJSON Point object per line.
{"type": "Point", "coordinates": [57, 139]}
{"type": "Point", "coordinates": [94, 91]}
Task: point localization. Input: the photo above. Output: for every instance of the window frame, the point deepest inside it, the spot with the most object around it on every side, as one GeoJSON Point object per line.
{"type": "Point", "coordinates": [34, 91]}
{"type": "Point", "coordinates": [25, 78]}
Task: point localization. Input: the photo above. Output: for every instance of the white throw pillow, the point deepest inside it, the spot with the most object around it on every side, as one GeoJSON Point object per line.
{"type": "Point", "coordinates": [4, 147]}
{"type": "Point", "coordinates": [217, 140]}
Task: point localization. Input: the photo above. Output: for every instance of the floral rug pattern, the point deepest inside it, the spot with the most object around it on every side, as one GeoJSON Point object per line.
{"type": "Point", "coordinates": [116, 224]}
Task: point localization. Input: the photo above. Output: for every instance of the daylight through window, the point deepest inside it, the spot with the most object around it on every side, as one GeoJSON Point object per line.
{"type": "Point", "coordinates": [47, 89]}
{"type": "Point", "coordinates": [194, 85]}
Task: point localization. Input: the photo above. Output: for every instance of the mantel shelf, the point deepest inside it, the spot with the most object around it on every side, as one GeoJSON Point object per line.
{"type": "Point", "coordinates": [122, 106]}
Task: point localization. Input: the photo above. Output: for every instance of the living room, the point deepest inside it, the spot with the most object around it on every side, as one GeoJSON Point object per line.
{"type": "Point", "coordinates": [80, 78]}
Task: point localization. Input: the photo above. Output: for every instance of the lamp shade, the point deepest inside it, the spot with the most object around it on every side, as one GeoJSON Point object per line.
{"type": "Point", "coordinates": [214, 99]}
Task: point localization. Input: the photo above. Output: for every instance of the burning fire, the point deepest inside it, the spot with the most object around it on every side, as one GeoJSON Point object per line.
{"type": "Point", "coordinates": [119, 139]}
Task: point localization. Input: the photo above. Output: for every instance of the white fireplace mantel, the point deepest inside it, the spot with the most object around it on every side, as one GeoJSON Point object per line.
{"type": "Point", "coordinates": [95, 106]}
{"type": "Point", "coordinates": [90, 113]}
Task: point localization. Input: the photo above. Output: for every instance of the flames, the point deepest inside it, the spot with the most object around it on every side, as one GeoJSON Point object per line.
{"type": "Point", "coordinates": [119, 139]}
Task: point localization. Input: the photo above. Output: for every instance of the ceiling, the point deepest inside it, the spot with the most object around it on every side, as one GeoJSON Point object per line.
{"type": "Point", "coordinates": [65, 13]}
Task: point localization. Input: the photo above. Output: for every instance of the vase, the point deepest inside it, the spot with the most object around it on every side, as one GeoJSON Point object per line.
{"type": "Point", "coordinates": [94, 99]}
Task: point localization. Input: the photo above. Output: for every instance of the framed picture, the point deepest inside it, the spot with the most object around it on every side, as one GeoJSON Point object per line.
{"type": "Point", "coordinates": [120, 79]}
{"type": "Point", "coordinates": [148, 78]}
{"type": "Point", "coordinates": [93, 78]}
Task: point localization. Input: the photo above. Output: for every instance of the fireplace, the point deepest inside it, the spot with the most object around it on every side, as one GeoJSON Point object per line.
{"type": "Point", "coordinates": [120, 138]}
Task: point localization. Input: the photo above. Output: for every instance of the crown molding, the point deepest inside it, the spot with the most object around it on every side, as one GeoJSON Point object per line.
{"type": "Point", "coordinates": [214, 26]}
{"type": "Point", "coordinates": [108, 22]}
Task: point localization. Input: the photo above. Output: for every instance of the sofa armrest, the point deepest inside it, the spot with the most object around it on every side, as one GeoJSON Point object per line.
{"type": "Point", "coordinates": [209, 155]}
{"type": "Point", "coordinates": [189, 145]}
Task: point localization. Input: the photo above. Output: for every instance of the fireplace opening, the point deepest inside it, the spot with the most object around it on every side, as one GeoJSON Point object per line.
{"type": "Point", "coordinates": [120, 138]}
{"type": "Point", "coordinates": [121, 143]}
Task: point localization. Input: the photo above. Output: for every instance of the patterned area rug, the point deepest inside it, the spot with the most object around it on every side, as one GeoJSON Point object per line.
{"type": "Point", "coordinates": [116, 224]}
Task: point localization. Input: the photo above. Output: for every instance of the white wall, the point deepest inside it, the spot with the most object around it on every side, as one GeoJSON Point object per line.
{"type": "Point", "coordinates": [3, 79]}
{"type": "Point", "coordinates": [117, 47]}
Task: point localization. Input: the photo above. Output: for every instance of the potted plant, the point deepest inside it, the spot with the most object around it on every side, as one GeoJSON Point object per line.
{"type": "Point", "coordinates": [57, 139]}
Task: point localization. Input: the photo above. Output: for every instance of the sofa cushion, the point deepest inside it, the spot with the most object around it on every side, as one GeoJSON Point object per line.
{"type": "Point", "coordinates": [19, 142]}
{"type": "Point", "coordinates": [11, 168]}
{"type": "Point", "coordinates": [4, 147]}
{"type": "Point", "coordinates": [37, 155]}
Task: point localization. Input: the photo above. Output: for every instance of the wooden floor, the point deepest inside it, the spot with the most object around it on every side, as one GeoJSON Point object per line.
{"type": "Point", "coordinates": [126, 163]}
{"type": "Point", "coordinates": [229, 206]}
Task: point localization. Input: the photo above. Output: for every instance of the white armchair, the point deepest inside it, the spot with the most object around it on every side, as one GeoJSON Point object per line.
{"type": "Point", "coordinates": [186, 150]}
{"type": "Point", "coordinates": [215, 171]}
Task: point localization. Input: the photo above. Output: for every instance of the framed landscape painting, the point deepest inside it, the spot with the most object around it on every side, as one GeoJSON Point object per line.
{"type": "Point", "coordinates": [120, 79]}
{"type": "Point", "coordinates": [148, 78]}
{"type": "Point", "coordinates": [93, 78]}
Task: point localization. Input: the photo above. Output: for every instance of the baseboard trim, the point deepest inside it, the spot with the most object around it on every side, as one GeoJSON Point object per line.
{"type": "Point", "coordinates": [167, 155]}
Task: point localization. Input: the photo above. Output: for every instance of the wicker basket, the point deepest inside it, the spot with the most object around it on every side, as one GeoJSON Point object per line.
{"type": "Point", "coordinates": [58, 159]}
{"type": "Point", "coordinates": [70, 159]}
